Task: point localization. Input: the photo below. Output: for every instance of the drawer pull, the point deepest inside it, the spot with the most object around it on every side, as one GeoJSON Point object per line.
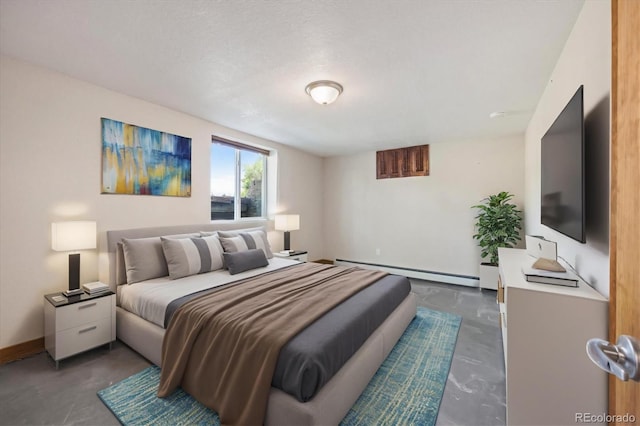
{"type": "Point", "coordinates": [87, 306]}
{"type": "Point", "coordinates": [88, 329]}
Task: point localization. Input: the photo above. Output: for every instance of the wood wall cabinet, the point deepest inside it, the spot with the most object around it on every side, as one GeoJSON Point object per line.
{"type": "Point", "coordinates": [403, 162]}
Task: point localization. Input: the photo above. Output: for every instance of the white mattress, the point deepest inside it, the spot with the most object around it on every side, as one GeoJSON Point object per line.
{"type": "Point", "coordinates": [149, 299]}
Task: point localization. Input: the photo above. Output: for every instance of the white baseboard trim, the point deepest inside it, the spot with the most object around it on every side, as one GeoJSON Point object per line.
{"type": "Point", "coordinates": [441, 277]}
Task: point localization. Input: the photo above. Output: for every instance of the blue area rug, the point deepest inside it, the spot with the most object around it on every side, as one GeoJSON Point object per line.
{"type": "Point", "coordinates": [406, 389]}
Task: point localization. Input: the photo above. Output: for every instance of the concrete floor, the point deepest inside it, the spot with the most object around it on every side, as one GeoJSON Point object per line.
{"type": "Point", "coordinates": [475, 393]}
{"type": "Point", "coordinates": [33, 392]}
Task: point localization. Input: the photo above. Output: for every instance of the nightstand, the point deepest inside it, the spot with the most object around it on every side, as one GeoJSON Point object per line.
{"type": "Point", "coordinates": [78, 323]}
{"type": "Point", "coordinates": [294, 255]}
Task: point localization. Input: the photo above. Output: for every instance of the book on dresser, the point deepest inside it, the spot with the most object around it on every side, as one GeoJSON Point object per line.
{"type": "Point", "coordinates": [95, 287]}
{"type": "Point", "coordinates": [540, 276]}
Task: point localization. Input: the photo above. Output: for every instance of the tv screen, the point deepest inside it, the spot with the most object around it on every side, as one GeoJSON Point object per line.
{"type": "Point", "coordinates": [562, 205]}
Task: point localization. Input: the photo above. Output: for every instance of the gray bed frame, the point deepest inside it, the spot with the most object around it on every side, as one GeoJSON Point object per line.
{"type": "Point", "coordinates": [329, 405]}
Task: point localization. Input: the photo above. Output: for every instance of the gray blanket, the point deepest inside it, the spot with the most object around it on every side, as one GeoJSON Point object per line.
{"type": "Point", "coordinates": [312, 358]}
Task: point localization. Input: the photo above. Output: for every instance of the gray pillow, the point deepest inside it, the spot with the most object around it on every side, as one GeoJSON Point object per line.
{"type": "Point", "coordinates": [121, 269]}
{"type": "Point", "coordinates": [245, 260]}
{"type": "Point", "coordinates": [232, 232]}
{"type": "Point", "coordinates": [251, 238]}
{"type": "Point", "coordinates": [144, 258]}
{"type": "Point", "coordinates": [190, 256]}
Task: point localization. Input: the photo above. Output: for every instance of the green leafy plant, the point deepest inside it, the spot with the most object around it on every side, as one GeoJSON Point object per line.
{"type": "Point", "coordinates": [252, 179]}
{"type": "Point", "coordinates": [498, 224]}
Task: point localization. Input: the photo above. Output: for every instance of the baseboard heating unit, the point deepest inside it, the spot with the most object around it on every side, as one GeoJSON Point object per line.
{"type": "Point", "coordinates": [421, 274]}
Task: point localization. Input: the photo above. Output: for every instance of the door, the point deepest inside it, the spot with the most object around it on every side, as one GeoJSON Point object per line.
{"type": "Point", "coordinates": [624, 307]}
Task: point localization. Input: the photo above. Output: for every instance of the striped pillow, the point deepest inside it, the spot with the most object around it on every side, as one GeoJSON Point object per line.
{"type": "Point", "coordinates": [243, 241]}
{"type": "Point", "coordinates": [144, 259]}
{"type": "Point", "coordinates": [190, 256]}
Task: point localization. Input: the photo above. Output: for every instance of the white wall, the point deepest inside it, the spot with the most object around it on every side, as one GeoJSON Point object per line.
{"type": "Point", "coordinates": [586, 60]}
{"type": "Point", "coordinates": [419, 222]}
{"type": "Point", "coordinates": [50, 170]}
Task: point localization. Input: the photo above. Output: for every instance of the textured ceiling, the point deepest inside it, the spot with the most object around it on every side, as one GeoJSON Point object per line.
{"type": "Point", "coordinates": [413, 72]}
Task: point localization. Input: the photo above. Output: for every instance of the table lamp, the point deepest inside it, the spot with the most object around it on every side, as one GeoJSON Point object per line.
{"type": "Point", "coordinates": [73, 236]}
{"type": "Point", "coordinates": [286, 223]}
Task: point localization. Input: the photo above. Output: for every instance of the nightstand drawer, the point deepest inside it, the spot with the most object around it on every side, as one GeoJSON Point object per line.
{"type": "Point", "coordinates": [86, 336]}
{"type": "Point", "coordinates": [82, 313]}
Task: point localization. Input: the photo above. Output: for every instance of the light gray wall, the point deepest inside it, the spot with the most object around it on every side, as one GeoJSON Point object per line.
{"type": "Point", "coordinates": [586, 60]}
{"type": "Point", "coordinates": [418, 222]}
{"type": "Point", "coordinates": [50, 170]}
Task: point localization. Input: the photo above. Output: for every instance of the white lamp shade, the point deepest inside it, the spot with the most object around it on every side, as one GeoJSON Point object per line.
{"type": "Point", "coordinates": [324, 92]}
{"type": "Point", "coordinates": [287, 222]}
{"type": "Point", "coordinates": [70, 236]}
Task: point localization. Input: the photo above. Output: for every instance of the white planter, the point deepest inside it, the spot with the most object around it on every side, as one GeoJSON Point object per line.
{"type": "Point", "coordinates": [488, 276]}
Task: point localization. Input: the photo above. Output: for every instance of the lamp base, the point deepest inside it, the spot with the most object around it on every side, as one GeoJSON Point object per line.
{"type": "Point", "coordinates": [287, 241]}
{"type": "Point", "coordinates": [73, 292]}
{"type": "Point", "coordinates": [74, 276]}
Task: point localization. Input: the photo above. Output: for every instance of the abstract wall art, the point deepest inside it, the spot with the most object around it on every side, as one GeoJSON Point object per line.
{"type": "Point", "coordinates": [141, 161]}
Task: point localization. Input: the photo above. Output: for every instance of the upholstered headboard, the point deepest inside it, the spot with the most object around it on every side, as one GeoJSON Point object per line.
{"type": "Point", "coordinates": [109, 242]}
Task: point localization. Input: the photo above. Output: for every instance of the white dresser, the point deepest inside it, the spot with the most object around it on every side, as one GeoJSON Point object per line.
{"type": "Point", "coordinates": [550, 379]}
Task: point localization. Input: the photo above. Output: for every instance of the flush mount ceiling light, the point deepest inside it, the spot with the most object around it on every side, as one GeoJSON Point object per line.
{"type": "Point", "coordinates": [324, 92]}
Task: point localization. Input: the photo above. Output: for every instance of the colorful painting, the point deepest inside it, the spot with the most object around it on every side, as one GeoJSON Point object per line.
{"type": "Point", "coordinates": [141, 161]}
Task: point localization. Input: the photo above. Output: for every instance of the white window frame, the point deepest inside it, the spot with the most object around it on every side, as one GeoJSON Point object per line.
{"type": "Point", "coordinates": [237, 202]}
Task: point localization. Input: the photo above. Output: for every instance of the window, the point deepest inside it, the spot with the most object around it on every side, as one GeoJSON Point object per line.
{"type": "Point", "coordinates": [237, 169]}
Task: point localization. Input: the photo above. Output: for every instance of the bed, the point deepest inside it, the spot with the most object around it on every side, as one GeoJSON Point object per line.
{"type": "Point", "coordinates": [327, 406]}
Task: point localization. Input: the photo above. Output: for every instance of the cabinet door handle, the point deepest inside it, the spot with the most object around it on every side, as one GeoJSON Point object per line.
{"type": "Point", "coordinates": [88, 329]}
{"type": "Point", "coordinates": [88, 305]}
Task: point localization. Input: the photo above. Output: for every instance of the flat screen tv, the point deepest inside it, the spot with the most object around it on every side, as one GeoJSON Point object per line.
{"type": "Point", "coordinates": [562, 205]}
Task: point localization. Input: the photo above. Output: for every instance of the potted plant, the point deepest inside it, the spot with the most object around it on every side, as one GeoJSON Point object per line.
{"type": "Point", "coordinates": [498, 224]}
